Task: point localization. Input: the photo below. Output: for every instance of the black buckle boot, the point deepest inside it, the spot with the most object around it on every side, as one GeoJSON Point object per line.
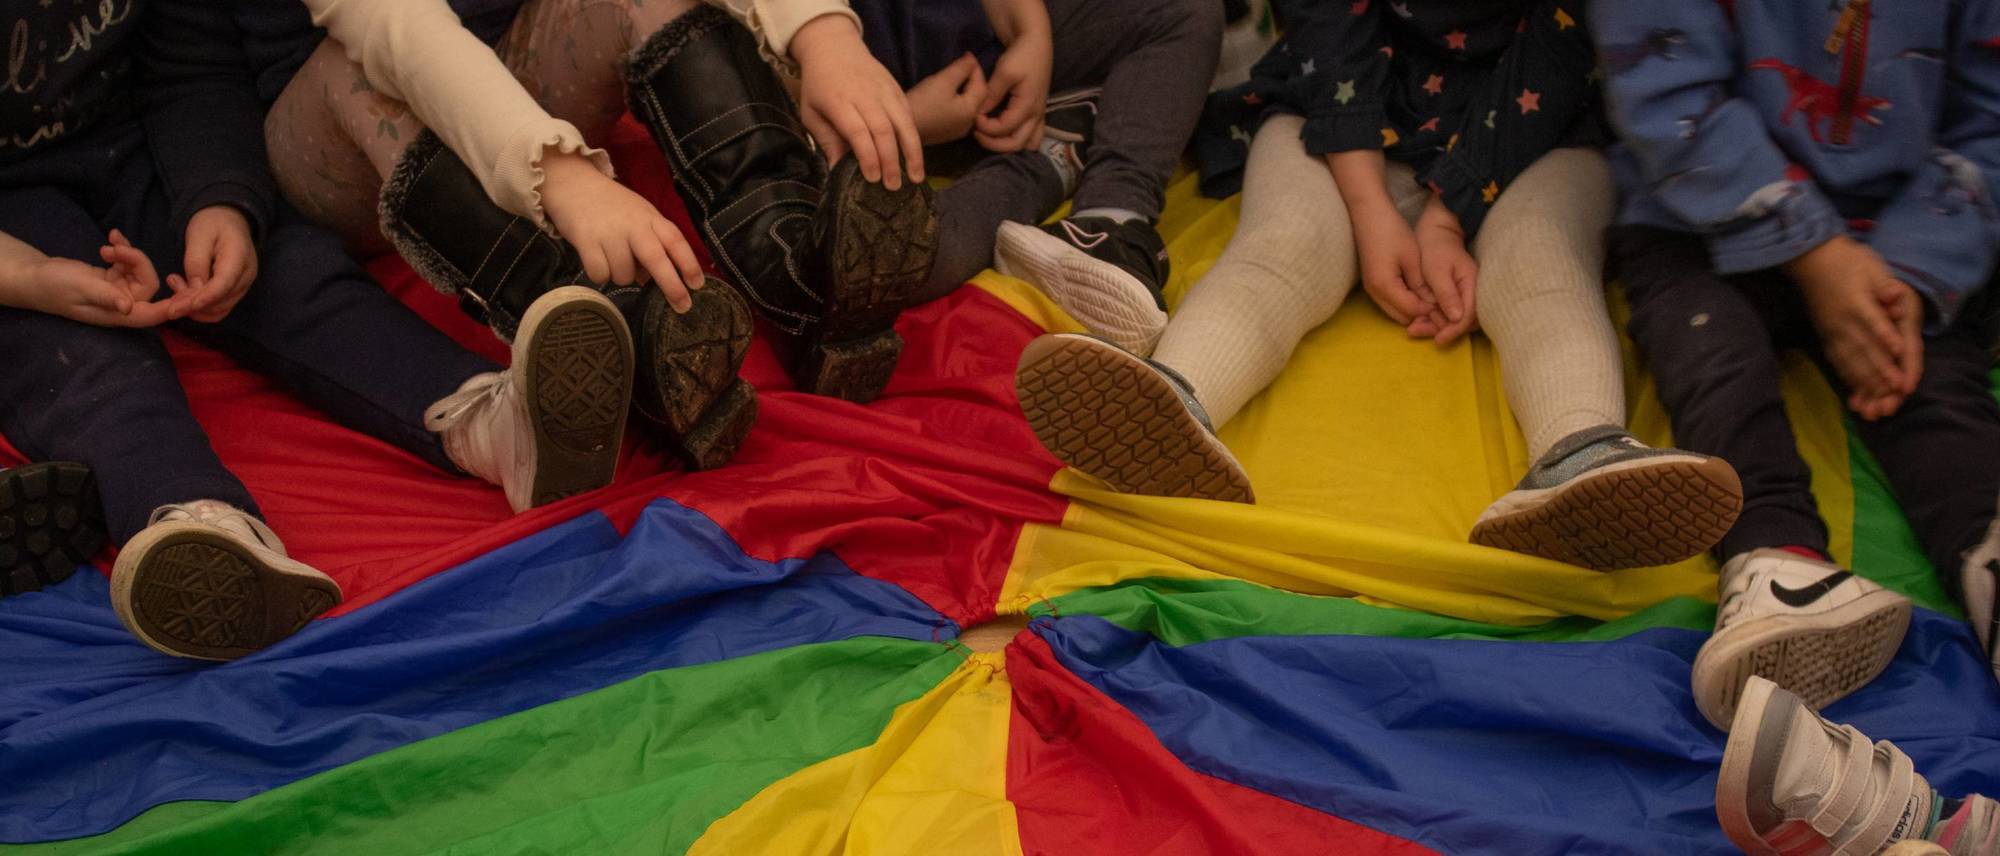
{"type": "Point", "coordinates": [437, 215]}
{"type": "Point", "coordinates": [829, 261]}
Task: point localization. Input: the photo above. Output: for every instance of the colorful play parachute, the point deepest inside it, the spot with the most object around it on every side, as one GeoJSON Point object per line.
{"type": "Point", "coordinates": [796, 654]}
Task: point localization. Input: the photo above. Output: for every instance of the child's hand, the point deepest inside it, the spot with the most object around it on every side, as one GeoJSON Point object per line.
{"type": "Point", "coordinates": [849, 102]}
{"type": "Point", "coordinates": [945, 104]}
{"type": "Point", "coordinates": [1391, 267]}
{"type": "Point", "coordinates": [220, 263]}
{"type": "Point", "coordinates": [1840, 280]}
{"type": "Point", "coordinates": [115, 296]}
{"type": "Point", "coordinates": [1450, 274]}
{"type": "Point", "coordinates": [621, 237]}
{"type": "Point", "coordinates": [1906, 309]}
{"type": "Point", "coordinates": [1020, 81]}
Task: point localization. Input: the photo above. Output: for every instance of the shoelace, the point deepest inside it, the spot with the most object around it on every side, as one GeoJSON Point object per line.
{"type": "Point", "coordinates": [453, 408]}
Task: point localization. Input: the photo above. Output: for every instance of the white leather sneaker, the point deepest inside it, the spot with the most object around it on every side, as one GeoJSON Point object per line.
{"type": "Point", "coordinates": [206, 580]}
{"type": "Point", "coordinates": [1817, 630]}
{"type": "Point", "coordinates": [1793, 783]}
{"type": "Point", "coordinates": [551, 426]}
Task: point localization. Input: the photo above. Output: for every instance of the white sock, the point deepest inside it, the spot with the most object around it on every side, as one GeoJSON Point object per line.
{"type": "Point", "coordinates": [1286, 270]}
{"type": "Point", "coordinates": [1541, 297]}
{"type": "Point", "coordinates": [1115, 215]}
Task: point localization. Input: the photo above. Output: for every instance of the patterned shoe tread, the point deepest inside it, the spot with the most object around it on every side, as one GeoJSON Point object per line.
{"type": "Point", "coordinates": [885, 245]}
{"type": "Point", "coordinates": [50, 522]}
{"type": "Point", "coordinates": [1634, 518]}
{"type": "Point", "coordinates": [1821, 666]}
{"type": "Point", "coordinates": [201, 595]}
{"type": "Point", "coordinates": [1114, 419]}
{"type": "Point", "coordinates": [195, 596]}
{"type": "Point", "coordinates": [697, 355]}
{"type": "Point", "coordinates": [851, 371]}
{"type": "Point", "coordinates": [581, 379]}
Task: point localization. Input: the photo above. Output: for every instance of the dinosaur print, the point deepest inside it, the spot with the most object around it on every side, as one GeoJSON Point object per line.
{"type": "Point", "coordinates": [1818, 99]}
{"type": "Point", "coordinates": [1963, 184]}
{"type": "Point", "coordinates": [1659, 42]}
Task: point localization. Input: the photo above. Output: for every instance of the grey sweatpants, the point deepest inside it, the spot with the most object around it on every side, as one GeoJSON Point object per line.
{"type": "Point", "coordinates": [1154, 59]}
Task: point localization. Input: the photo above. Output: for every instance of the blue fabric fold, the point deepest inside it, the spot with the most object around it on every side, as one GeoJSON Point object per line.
{"type": "Point", "coordinates": [95, 729]}
{"type": "Point", "coordinates": [1473, 747]}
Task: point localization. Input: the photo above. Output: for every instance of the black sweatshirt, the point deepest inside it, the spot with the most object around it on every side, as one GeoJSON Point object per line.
{"type": "Point", "coordinates": [76, 67]}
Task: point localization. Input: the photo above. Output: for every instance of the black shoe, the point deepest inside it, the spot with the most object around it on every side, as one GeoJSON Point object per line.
{"type": "Point", "coordinates": [1109, 276]}
{"type": "Point", "coordinates": [50, 522]}
{"type": "Point", "coordinates": [439, 217]}
{"type": "Point", "coordinates": [1071, 117]}
{"type": "Point", "coordinates": [828, 260]}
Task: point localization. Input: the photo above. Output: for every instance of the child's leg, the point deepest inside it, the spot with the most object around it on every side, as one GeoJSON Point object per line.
{"type": "Point", "coordinates": [1289, 266]}
{"type": "Point", "coordinates": [319, 324]}
{"type": "Point", "coordinates": [107, 398]}
{"type": "Point", "coordinates": [1155, 59]}
{"type": "Point", "coordinates": [1022, 187]}
{"type": "Point", "coordinates": [1711, 354]}
{"type": "Point", "coordinates": [1541, 297]}
{"type": "Point", "coordinates": [1595, 496]}
{"type": "Point", "coordinates": [1939, 451]}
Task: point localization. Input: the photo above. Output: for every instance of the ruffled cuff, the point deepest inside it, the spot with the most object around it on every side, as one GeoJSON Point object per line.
{"type": "Point", "coordinates": [1344, 130]}
{"type": "Point", "coordinates": [516, 183]}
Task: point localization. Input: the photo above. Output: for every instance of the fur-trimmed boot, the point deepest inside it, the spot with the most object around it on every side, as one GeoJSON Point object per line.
{"type": "Point", "coordinates": [828, 259]}
{"type": "Point", "coordinates": [438, 216]}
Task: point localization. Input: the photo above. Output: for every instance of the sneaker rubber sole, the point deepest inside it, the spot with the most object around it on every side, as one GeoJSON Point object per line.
{"type": "Point", "coordinates": [1635, 514]}
{"type": "Point", "coordinates": [883, 244]}
{"type": "Point", "coordinates": [1820, 657]}
{"type": "Point", "coordinates": [576, 357]}
{"type": "Point", "coordinates": [1105, 299]}
{"type": "Point", "coordinates": [1759, 731]}
{"type": "Point", "coordinates": [692, 362]}
{"type": "Point", "coordinates": [1110, 416]}
{"type": "Point", "coordinates": [190, 591]}
{"type": "Point", "coordinates": [50, 522]}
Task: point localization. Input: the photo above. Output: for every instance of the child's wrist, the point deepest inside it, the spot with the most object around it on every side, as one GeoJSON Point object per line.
{"type": "Point", "coordinates": [828, 32]}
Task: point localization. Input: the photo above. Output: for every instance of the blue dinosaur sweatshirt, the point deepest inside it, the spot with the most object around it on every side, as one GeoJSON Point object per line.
{"type": "Point", "coordinates": [1770, 126]}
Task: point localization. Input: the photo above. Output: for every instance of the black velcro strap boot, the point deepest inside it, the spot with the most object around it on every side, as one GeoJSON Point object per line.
{"type": "Point", "coordinates": [828, 261]}
{"type": "Point", "coordinates": [437, 215]}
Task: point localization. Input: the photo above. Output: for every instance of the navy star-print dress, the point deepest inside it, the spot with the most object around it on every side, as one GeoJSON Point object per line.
{"type": "Point", "coordinates": [1468, 92]}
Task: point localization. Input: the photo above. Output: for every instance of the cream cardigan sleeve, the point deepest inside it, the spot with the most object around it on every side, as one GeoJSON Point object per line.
{"type": "Point", "coordinates": [416, 51]}
{"type": "Point", "coordinates": [776, 21]}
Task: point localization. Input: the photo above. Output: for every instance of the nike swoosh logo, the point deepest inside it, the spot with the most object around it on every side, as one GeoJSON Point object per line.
{"type": "Point", "coordinates": [1083, 238]}
{"type": "Point", "coordinates": [1804, 597]}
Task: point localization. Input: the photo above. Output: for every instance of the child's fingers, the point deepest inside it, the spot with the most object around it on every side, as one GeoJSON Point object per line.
{"type": "Point", "coordinates": [823, 131]}
{"type": "Point", "coordinates": [118, 239]}
{"type": "Point", "coordinates": [854, 129]}
{"type": "Point", "coordinates": [104, 295]}
{"type": "Point", "coordinates": [882, 132]}
{"type": "Point", "coordinates": [907, 138]}
{"type": "Point", "coordinates": [1883, 330]}
{"type": "Point", "coordinates": [594, 264]}
{"type": "Point", "coordinates": [653, 257]}
{"type": "Point", "coordinates": [197, 260]}
{"type": "Point", "coordinates": [681, 253]}
{"type": "Point", "coordinates": [997, 86]}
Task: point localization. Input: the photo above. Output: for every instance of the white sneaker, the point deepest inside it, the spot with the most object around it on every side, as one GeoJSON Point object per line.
{"type": "Point", "coordinates": [1107, 275]}
{"type": "Point", "coordinates": [1126, 420]}
{"type": "Point", "coordinates": [552, 425]}
{"type": "Point", "coordinates": [1817, 630]}
{"type": "Point", "coordinates": [208, 581]}
{"type": "Point", "coordinates": [1979, 584]}
{"type": "Point", "coordinates": [1792, 782]}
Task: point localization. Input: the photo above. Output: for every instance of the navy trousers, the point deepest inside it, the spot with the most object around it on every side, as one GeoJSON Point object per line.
{"type": "Point", "coordinates": [1712, 343]}
{"type": "Point", "coordinates": [313, 320]}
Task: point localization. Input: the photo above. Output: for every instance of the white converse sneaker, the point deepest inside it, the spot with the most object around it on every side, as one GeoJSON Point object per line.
{"type": "Point", "coordinates": [1600, 499]}
{"type": "Point", "coordinates": [1792, 782]}
{"type": "Point", "coordinates": [1979, 585]}
{"type": "Point", "coordinates": [1817, 630]}
{"type": "Point", "coordinates": [1128, 421]}
{"type": "Point", "coordinates": [208, 581]}
{"type": "Point", "coordinates": [552, 425]}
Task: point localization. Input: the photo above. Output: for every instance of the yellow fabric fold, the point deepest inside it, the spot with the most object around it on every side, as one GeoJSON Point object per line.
{"type": "Point", "coordinates": [934, 782]}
